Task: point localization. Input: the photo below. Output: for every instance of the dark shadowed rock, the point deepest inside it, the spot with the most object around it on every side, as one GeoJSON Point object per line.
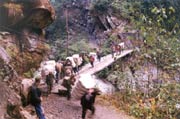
{"type": "Point", "coordinates": [31, 13]}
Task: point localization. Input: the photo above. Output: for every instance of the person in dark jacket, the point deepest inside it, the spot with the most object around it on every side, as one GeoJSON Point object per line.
{"type": "Point", "coordinates": [98, 52]}
{"type": "Point", "coordinates": [49, 81]}
{"type": "Point", "coordinates": [87, 101]}
{"type": "Point", "coordinates": [35, 98]}
{"type": "Point", "coordinates": [113, 50]}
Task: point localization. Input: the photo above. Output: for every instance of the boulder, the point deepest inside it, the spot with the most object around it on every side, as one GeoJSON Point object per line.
{"type": "Point", "coordinates": [10, 102]}
{"type": "Point", "coordinates": [33, 13]}
{"type": "Point", "coordinates": [24, 89]}
{"type": "Point", "coordinates": [28, 113]}
{"type": "Point", "coordinates": [21, 50]}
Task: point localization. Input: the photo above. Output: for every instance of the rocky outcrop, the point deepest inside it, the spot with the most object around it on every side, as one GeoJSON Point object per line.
{"type": "Point", "coordinates": [10, 101]}
{"type": "Point", "coordinates": [29, 13]}
{"type": "Point", "coordinates": [24, 89]}
{"type": "Point", "coordinates": [22, 48]}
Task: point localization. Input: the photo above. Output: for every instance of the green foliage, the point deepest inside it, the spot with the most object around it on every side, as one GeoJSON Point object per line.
{"type": "Point", "coordinates": [100, 6]}
{"type": "Point", "coordinates": [30, 73]}
{"type": "Point", "coordinates": [157, 21]}
{"type": "Point", "coordinates": [79, 46]}
{"type": "Point", "coordinates": [77, 40]}
{"type": "Point", "coordinates": [106, 45]}
{"type": "Point", "coordinates": [130, 9]}
{"type": "Point", "coordinates": [103, 74]}
{"type": "Point", "coordinates": [74, 47]}
{"type": "Point", "coordinates": [163, 103]}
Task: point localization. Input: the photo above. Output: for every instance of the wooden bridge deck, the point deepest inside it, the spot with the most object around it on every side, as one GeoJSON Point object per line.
{"type": "Point", "coordinates": [105, 61]}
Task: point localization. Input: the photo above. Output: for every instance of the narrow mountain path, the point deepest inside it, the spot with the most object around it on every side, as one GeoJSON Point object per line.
{"type": "Point", "coordinates": [58, 107]}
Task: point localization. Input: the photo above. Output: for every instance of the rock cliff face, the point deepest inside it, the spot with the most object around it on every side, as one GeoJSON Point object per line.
{"type": "Point", "coordinates": [84, 22]}
{"type": "Point", "coordinates": [28, 13]}
{"type": "Point", "coordinates": [22, 47]}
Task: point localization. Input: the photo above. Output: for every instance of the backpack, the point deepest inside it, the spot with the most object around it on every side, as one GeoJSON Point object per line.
{"type": "Point", "coordinates": [49, 79]}
{"type": "Point", "coordinates": [91, 59]}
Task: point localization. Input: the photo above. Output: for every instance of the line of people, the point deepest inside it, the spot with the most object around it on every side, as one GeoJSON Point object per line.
{"type": "Point", "coordinates": [75, 63]}
{"type": "Point", "coordinates": [87, 100]}
{"type": "Point", "coordinates": [116, 49]}
{"type": "Point", "coordinates": [66, 71]}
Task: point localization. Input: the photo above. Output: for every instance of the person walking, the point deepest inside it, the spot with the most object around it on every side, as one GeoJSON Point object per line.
{"type": "Point", "coordinates": [67, 66]}
{"type": "Point", "coordinates": [36, 99]}
{"type": "Point", "coordinates": [98, 55]}
{"type": "Point", "coordinates": [91, 60]}
{"type": "Point", "coordinates": [68, 81]}
{"type": "Point", "coordinates": [87, 101]}
{"type": "Point", "coordinates": [113, 50]}
{"type": "Point", "coordinates": [49, 82]}
{"type": "Point", "coordinates": [57, 73]}
{"type": "Point", "coordinates": [58, 69]}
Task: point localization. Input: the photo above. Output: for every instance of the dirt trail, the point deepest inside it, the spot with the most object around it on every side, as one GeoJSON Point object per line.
{"type": "Point", "coordinates": [58, 107]}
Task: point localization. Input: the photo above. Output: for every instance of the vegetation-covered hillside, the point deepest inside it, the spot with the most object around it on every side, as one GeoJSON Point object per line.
{"type": "Point", "coordinates": [157, 24]}
{"type": "Point", "coordinates": [157, 21]}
